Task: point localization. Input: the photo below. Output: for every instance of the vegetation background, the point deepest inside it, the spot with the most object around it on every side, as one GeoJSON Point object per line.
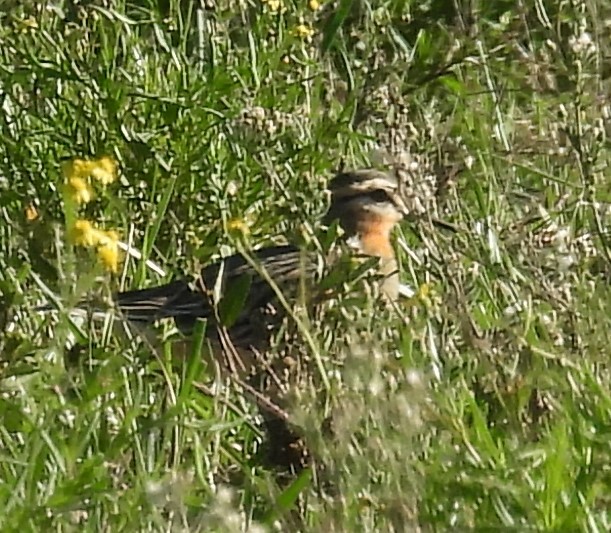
{"type": "Point", "coordinates": [482, 403]}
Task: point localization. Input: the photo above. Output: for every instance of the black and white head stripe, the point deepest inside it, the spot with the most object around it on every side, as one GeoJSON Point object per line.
{"type": "Point", "coordinates": [372, 184]}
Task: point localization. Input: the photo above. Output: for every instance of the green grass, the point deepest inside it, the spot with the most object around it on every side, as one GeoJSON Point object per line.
{"type": "Point", "coordinates": [483, 405]}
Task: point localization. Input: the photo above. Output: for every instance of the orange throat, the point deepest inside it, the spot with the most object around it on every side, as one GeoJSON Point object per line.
{"type": "Point", "coordinates": [374, 236]}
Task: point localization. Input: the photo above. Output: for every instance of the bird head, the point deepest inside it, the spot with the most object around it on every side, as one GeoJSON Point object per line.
{"type": "Point", "coordinates": [363, 198]}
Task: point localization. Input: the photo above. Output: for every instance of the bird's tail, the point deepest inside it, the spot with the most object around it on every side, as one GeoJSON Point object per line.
{"type": "Point", "coordinates": [174, 300]}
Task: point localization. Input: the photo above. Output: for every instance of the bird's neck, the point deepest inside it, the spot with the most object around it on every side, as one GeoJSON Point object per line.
{"type": "Point", "coordinates": [374, 237]}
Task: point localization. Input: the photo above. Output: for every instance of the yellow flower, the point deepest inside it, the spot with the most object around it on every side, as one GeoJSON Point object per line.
{"type": "Point", "coordinates": [84, 234]}
{"type": "Point", "coordinates": [303, 31]}
{"type": "Point", "coordinates": [314, 5]}
{"type": "Point", "coordinates": [108, 254]}
{"type": "Point", "coordinates": [27, 24]}
{"type": "Point", "coordinates": [79, 190]}
{"type": "Point", "coordinates": [77, 168]}
{"type": "Point", "coordinates": [238, 225]}
{"type": "Point", "coordinates": [273, 5]}
{"type": "Point", "coordinates": [106, 242]}
{"type": "Point", "coordinates": [109, 236]}
{"type": "Point", "coordinates": [31, 213]}
{"type": "Point", "coordinates": [104, 170]}
{"type": "Point", "coordinates": [424, 294]}
{"type": "Point", "coordinates": [424, 291]}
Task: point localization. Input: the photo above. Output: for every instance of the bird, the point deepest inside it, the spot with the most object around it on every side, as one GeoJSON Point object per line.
{"type": "Point", "coordinates": [365, 203]}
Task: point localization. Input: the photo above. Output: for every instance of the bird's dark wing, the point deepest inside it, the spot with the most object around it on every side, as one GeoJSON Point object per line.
{"type": "Point", "coordinates": [188, 300]}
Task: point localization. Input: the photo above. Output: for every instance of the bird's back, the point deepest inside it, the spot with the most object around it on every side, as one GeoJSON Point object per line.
{"type": "Point", "coordinates": [252, 282]}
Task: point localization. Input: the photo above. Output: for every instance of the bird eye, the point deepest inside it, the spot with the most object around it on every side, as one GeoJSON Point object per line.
{"type": "Point", "coordinates": [380, 195]}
